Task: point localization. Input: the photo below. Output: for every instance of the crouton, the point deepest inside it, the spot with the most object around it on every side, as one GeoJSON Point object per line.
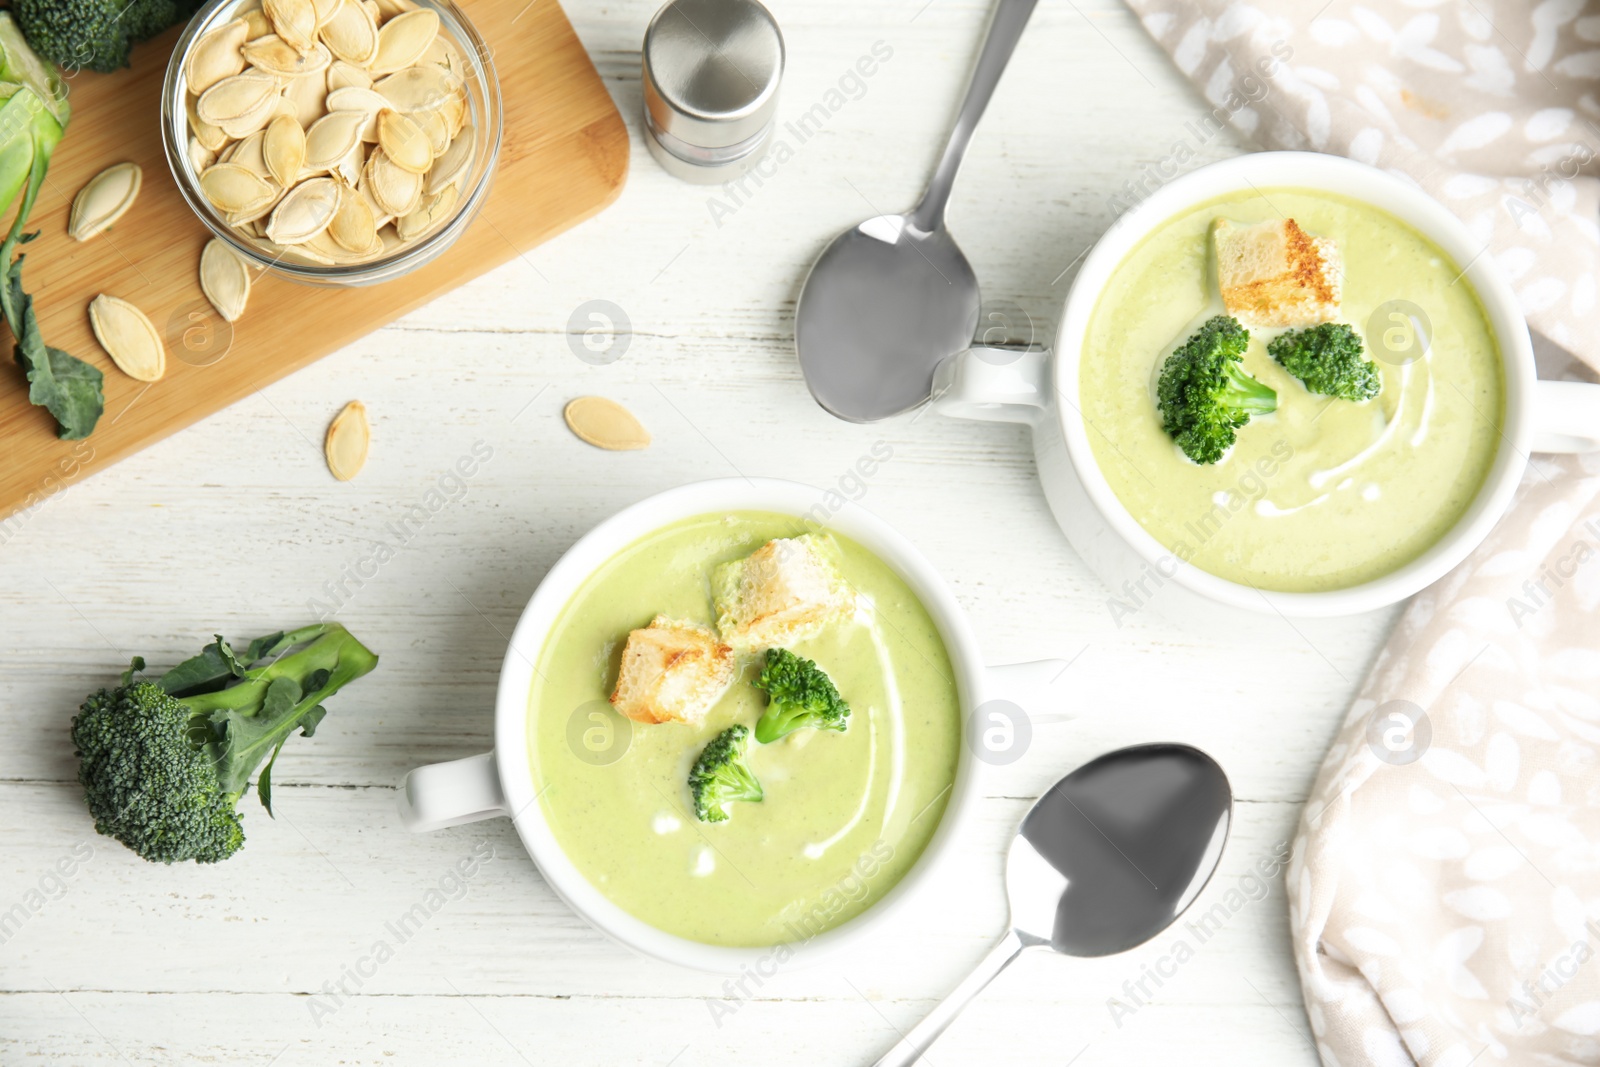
{"type": "Point", "coordinates": [672, 671]}
{"type": "Point", "coordinates": [784, 592]}
{"type": "Point", "coordinates": [1275, 274]}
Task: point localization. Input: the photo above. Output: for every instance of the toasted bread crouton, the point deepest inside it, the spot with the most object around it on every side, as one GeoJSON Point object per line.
{"type": "Point", "coordinates": [1275, 274]}
{"type": "Point", "coordinates": [672, 671]}
{"type": "Point", "coordinates": [783, 592]}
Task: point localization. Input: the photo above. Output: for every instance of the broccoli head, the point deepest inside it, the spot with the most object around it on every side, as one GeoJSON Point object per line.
{"type": "Point", "coordinates": [147, 784]}
{"type": "Point", "coordinates": [1327, 359]}
{"type": "Point", "coordinates": [95, 34]}
{"type": "Point", "coordinates": [1204, 393]}
{"type": "Point", "coordinates": [799, 695]}
{"type": "Point", "coordinates": [720, 777]}
{"type": "Point", "coordinates": [163, 764]}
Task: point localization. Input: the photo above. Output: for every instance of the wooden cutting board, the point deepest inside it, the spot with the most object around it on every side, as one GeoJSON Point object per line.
{"type": "Point", "coordinates": [563, 157]}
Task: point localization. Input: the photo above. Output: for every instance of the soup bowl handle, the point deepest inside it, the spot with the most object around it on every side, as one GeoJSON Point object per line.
{"type": "Point", "coordinates": [450, 794]}
{"type": "Point", "coordinates": [994, 383]}
{"type": "Point", "coordinates": [1566, 417]}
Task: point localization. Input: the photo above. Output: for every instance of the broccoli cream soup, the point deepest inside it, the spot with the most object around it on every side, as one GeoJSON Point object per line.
{"type": "Point", "coordinates": [844, 814]}
{"type": "Point", "coordinates": [1323, 493]}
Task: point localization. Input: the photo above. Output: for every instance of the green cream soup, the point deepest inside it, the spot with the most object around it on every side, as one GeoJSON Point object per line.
{"type": "Point", "coordinates": [1323, 493]}
{"type": "Point", "coordinates": [845, 814]}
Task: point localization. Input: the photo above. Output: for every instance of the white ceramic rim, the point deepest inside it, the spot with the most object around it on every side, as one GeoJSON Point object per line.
{"type": "Point", "coordinates": [1380, 189]}
{"type": "Point", "coordinates": [552, 595]}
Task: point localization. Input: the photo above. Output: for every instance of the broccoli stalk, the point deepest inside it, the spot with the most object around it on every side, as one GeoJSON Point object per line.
{"type": "Point", "coordinates": [1327, 360]}
{"type": "Point", "coordinates": [719, 777]}
{"type": "Point", "coordinates": [799, 695]}
{"type": "Point", "coordinates": [164, 764]}
{"type": "Point", "coordinates": [1204, 393]}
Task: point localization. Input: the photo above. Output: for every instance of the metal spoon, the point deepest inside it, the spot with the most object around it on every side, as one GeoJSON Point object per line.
{"type": "Point", "coordinates": [1103, 862]}
{"type": "Point", "coordinates": [886, 302]}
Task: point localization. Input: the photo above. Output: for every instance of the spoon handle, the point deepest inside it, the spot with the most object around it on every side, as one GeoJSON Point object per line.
{"type": "Point", "coordinates": [1005, 29]}
{"type": "Point", "coordinates": [914, 1043]}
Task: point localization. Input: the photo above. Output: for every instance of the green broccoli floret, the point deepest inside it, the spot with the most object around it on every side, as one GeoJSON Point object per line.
{"type": "Point", "coordinates": [1205, 395]}
{"type": "Point", "coordinates": [799, 694]}
{"type": "Point", "coordinates": [95, 34]}
{"type": "Point", "coordinates": [1327, 359]}
{"type": "Point", "coordinates": [163, 764]}
{"type": "Point", "coordinates": [720, 776]}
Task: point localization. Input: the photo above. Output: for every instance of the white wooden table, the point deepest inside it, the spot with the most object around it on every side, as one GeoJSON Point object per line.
{"type": "Point", "coordinates": [234, 525]}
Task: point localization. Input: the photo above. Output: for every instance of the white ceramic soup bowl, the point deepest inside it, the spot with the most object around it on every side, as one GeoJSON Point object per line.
{"type": "Point", "coordinates": [500, 783]}
{"type": "Point", "coordinates": [1040, 388]}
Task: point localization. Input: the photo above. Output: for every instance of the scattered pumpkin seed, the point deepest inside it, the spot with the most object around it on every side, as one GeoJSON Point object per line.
{"type": "Point", "coordinates": [103, 200]}
{"type": "Point", "coordinates": [224, 278]}
{"type": "Point", "coordinates": [605, 424]}
{"type": "Point", "coordinates": [342, 75]}
{"type": "Point", "coordinates": [128, 337]}
{"type": "Point", "coordinates": [349, 437]}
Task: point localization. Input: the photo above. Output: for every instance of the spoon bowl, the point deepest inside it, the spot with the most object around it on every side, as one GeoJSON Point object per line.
{"type": "Point", "coordinates": [1108, 858]}
{"type": "Point", "coordinates": [884, 303]}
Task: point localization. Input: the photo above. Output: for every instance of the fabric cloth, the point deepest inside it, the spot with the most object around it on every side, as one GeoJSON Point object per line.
{"type": "Point", "coordinates": [1444, 895]}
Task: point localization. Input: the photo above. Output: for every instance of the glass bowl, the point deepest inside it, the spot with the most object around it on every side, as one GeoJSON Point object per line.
{"type": "Point", "coordinates": [484, 113]}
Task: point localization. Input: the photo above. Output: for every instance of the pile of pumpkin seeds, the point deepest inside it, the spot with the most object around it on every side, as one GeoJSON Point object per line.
{"type": "Point", "coordinates": [330, 131]}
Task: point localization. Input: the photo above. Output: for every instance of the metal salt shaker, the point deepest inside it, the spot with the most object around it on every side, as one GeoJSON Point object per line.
{"type": "Point", "coordinates": [711, 74]}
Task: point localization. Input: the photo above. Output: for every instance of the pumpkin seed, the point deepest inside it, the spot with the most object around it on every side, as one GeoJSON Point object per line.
{"type": "Point", "coordinates": [420, 88]}
{"type": "Point", "coordinates": [308, 97]}
{"type": "Point", "coordinates": [342, 75]}
{"type": "Point", "coordinates": [353, 227]}
{"type": "Point", "coordinates": [380, 218]}
{"type": "Point", "coordinates": [252, 215]}
{"type": "Point", "coordinates": [403, 141]}
{"type": "Point", "coordinates": [352, 34]}
{"type": "Point", "coordinates": [224, 278]}
{"type": "Point", "coordinates": [128, 337]}
{"type": "Point", "coordinates": [366, 101]}
{"type": "Point", "coordinates": [208, 135]}
{"type": "Point", "coordinates": [234, 97]}
{"type": "Point", "coordinates": [434, 210]}
{"type": "Point", "coordinates": [326, 10]}
{"type": "Point", "coordinates": [349, 437]}
{"type": "Point", "coordinates": [435, 129]}
{"type": "Point", "coordinates": [283, 150]}
{"type": "Point", "coordinates": [257, 22]}
{"type": "Point", "coordinates": [388, 9]}
{"type": "Point", "coordinates": [251, 121]}
{"type": "Point", "coordinates": [403, 40]}
{"type": "Point", "coordinates": [397, 191]}
{"type": "Point", "coordinates": [216, 55]}
{"type": "Point", "coordinates": [348, 170]}
{"type": "Point", "coordinates": [232, 188]}
{"type": "Point", "coordinates": [275, 56]}
{"type": "Point", "coordinates": [293, 20]}
{"type": "Point", "coordinates": [248, 154]}
{"type": "Point", "coordinates": [452, 164]}
{"type": "Point", "coordinates": [304, 211]}
{"type": "Point", "coordinates": [331, 138]}
{"type": "Point", "coordinates": [200, 157]}
{"type": "Point", "coordinates": [445, 54]}
{"type": "Point", "coordinates": [605, 424]}
{"type": "Point", "coordinates": [454, 111]}
{"type": "Point", "coordinates": [102, 202]}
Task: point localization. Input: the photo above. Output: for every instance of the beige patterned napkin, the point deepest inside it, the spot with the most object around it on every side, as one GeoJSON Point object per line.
{"type": "Point", "coordinates": [1444, 896]}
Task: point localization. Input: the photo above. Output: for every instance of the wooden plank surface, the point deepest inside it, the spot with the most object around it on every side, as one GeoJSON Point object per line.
{"type": "Point", "coordinates": [563, 157]}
